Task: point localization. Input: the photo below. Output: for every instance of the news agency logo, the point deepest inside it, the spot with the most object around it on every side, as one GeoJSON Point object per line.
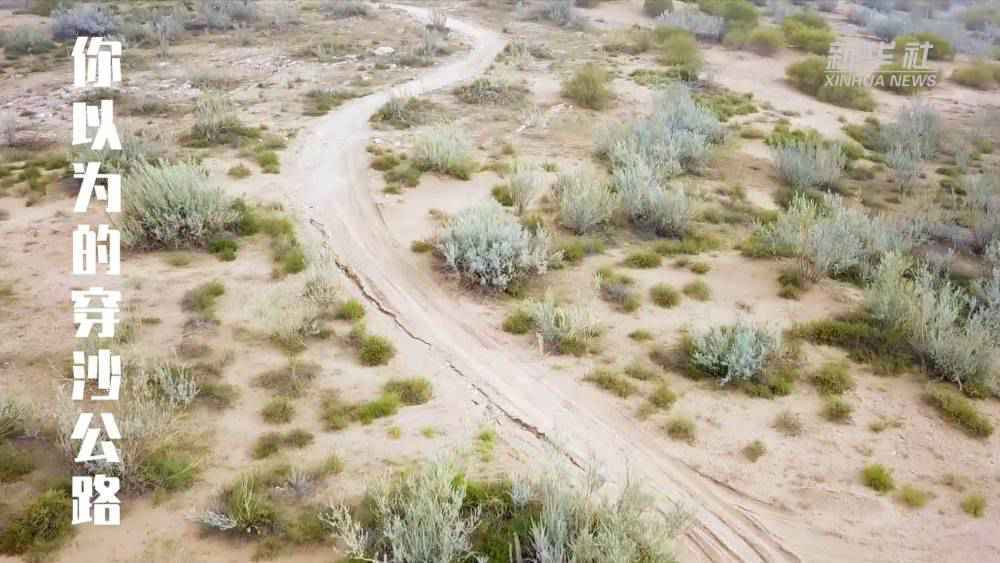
{"type": "Point", "coordinates": [863, 63]}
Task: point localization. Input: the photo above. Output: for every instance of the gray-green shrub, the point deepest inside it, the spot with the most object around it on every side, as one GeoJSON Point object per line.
{"type": "Point", "coordinates": [173, 206]}
{"type": "Point", "coordinates": [83, 20]}
{"type": "Point", "coordinates": [488, 246]}
{"type": "Point", "coordinates": [585, 201]}
{"type": "Point", "coordinates": [807, 164]}
{"type": "Point", "coordinates": [446, 150]}
{"type": "Point", "coordinates": [734, 353]}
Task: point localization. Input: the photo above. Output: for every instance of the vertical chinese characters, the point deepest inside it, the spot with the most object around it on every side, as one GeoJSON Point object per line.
{"type": "Point", "coordinates": [97, 375]}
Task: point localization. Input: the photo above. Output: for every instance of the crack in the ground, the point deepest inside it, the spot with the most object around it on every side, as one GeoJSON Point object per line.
{"type": "Point", "coordinates": [369, 295]}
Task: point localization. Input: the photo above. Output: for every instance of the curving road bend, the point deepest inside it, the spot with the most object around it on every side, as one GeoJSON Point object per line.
{"type": "Point", "coordinates": [327, 172]}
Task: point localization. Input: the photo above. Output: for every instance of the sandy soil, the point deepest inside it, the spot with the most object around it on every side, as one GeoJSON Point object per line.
{"type": "Point", "coordinates": [805, 520]}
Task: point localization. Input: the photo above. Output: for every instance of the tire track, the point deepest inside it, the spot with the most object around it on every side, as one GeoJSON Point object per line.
{"type": "Point", "coordinates": [329, 168]}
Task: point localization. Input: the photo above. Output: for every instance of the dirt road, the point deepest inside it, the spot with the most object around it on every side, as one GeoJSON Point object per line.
{"type": "Point", "coordinates": [327, 181]}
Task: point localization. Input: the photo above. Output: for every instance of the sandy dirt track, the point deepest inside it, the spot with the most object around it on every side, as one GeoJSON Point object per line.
{"type": "Point", "coordinates": [326, 183]}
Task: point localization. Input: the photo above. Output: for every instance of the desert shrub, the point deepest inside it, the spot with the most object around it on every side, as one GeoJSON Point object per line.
{"type": "Point", "coordinates": [518, 322]}
{"type": "Point", "coordinates": [411, 391]}
{"type": "Point", "coordinates": [808, 33]}
{"type": "Point", "coordinates": [404, 112]}
{"type": "Point", "coordinates": [888, 26]}
{"type": "Point", "coordinates": [525, 181]}
{"type": "Point", "coordinates": [375, 350]}
{"type": "Point", "coordinates": [340, 9]}
{"type": "Point", "coordinates": [350, 310]}
{"type": "Point", "coordinates": [697, 290]}
{"type": "Point", "coordinates": [905, 165]}
{"type": "Point", "coordinates": [878, 478]}
{"type": "Point", "coordinates": [917, 127]}
{"type": "Point", "coordinates": [25, 40]}
{"type": "Point", "coordinates": [912, 496]}
{"type": "Point", "coordinates": [733, 353]}
{"type": "Point", "coordinates": [41, 527]}
{"type": "Point", "coordinates": [589, 87]}
{"type": "Point", "coordinates": [836, 239]}
{"type": "Point", "coordinates": [788, 423]}
{"type": "Point", "coordinates": [83, 20]}
{"type": "Point", "coordinates": [488, 246]}
{"type": "Point", "coordinates": [519, 519]}
{"type": "Point", "coordinates": [643, 259]}
{"type": "Point", "coordinates": [418, 517]}
{"type": "Point", "coordinates": [173, 206]}
{"type": "Point", "coordinates": [974, 505]}
{"type": "Point", "coordinates": [941, 322]}
{"type": "Point", "coordinates": [242, 508]}
{"type": "Point", "coordinates": [560, 12]}
{"type": "Point", "coordinates": [445, 150]}
{"type": "Point", "coordinates": [487, 91]}
{"type": "Point", "coordinates": [836, 409]}
{"type": "Point", "coordinates": [13, 464]}
{"type": "Point", "coordinates": [216, 123]}
{"type": "Point", "coordinates": [978, 74]}
{"type": "Point", "coordinates": [654, 8]}
{"type": "Point", "coordinates": [564, 328]}
{"type": "Point", "coordinates": [585, 202]}
{"type": "Point", "coordinates": [701, 25]}
{"type": "Point", "coordinates": [959, 410]}
{"type": "Point", "coordinates": [617, 289]}
{"type": "Point", "coordinates": [681, 51]}
{"type": "Point", "coordinates": [681, 428]}
{"type": "Point", "coordinates": [833, 379]}
{"type": "Point", "coordinates": [941, 49]}
{"type": "Point", "coordinates": [809, 76]}
{"type": "Point", "coordinates": [664, 295]}
{"type": "Point", "coordinates": [278, 411]}
{"type": "Point", "coordinates": [202, 298]}
{"type": "Point", "coordinates": [765, 41]}
{"type": "Point", "coordinates": [804, 165]}
{"type": "Point", "coordinates": [226, 14]}
{"type": "Point", "coordinates": [612, 383]}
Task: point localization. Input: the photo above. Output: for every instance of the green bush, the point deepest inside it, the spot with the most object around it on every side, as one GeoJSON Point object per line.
{"type": "Point", "coordinates": [836, 409]}
{"type": "Point", "coordinates": [941, 49]}
{"type": "Point", "coordinates": [833, 379]}
{"type": "Point", "coordinates": [978, 74]}
{"type": "Point", "coordinates": [375, 351]}
{"type": "Point", "coordinates": [665, 295]}
{"type": "Point", "coordinates": [681, 50]}
{"type": "Point", "coordinates": [386, 405]}
{"type": "Point", "coordinates": [698, 290]}
{"type": "Point", "coordinates": [878, 478]}
{"type": "Point", "coordinates": [681, 428]}
{"type": "Point", "coordinates": [766, 41]}
{"type": "Point", "coordinates": [13, 464]}
{"type": "Point", "coordinates": [959, 410]}
{"type": "Point", "coordinates": [41, 527]}
{"type": "Point", "coordinates": [809, 76]}
{"type": "Point", "coordinates": [612, 382]}
{"type": "Point", "coordinates": [912, 496]}
{"type": "Point", "coordinates": [974, 505]}
{"type": "Point", "coordinates": [518, 322]}
{"type": "Point", "coordinates": [754, 450]}
{"type": "Point", "coordinates": [643, 259]}
{"type": "Point", "coordinates": [202, 299]}
{"type": "Point", "coordinates": [589, 87]}
{"type": "Point", "coordinates": [351, 310]}
{"type": "Point", "coordinates": [411, 391]}
{"type": "Point", "coordinates": [278, 411]}
{"type": "Point", "coordinates": [806, 38]}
